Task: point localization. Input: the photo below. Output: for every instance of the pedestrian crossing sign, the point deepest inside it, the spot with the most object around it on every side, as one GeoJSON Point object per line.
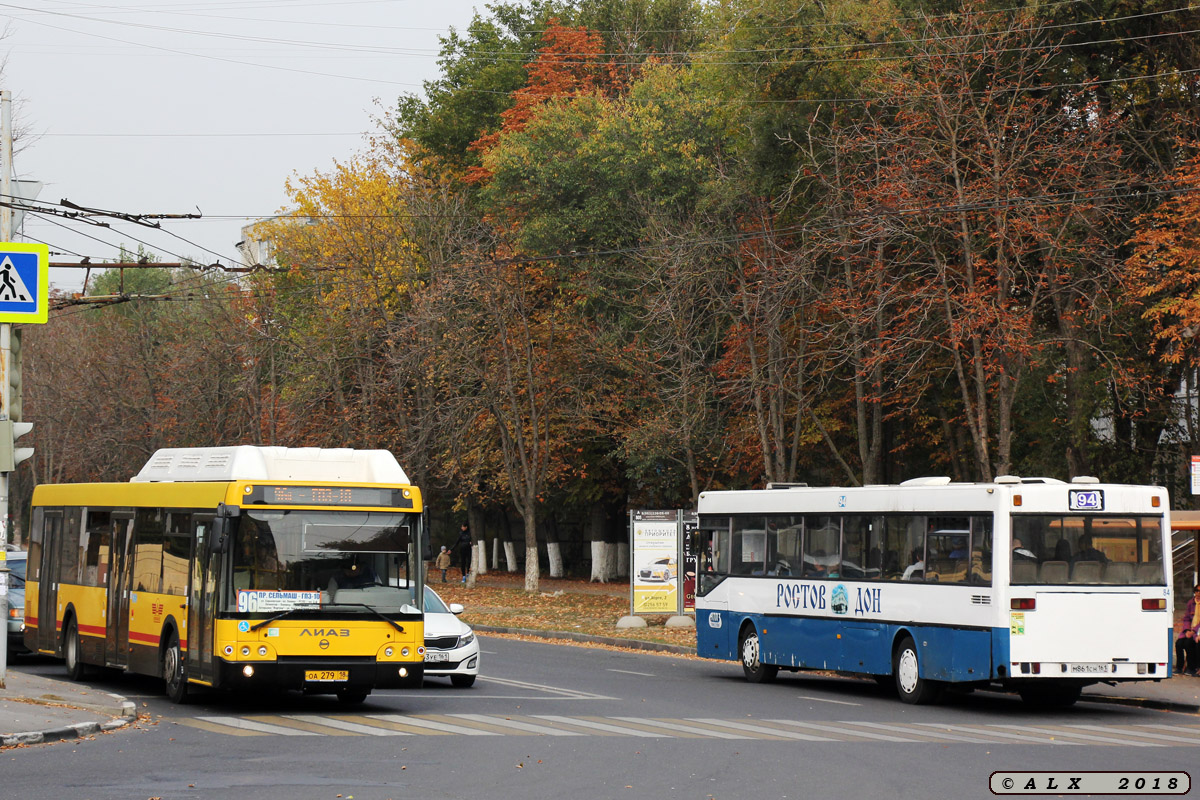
{"type": "Point", "coordinates": [24, 282]}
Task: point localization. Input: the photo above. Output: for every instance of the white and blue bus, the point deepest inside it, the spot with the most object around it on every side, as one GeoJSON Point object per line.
{"type": "Point", "coordinates": [1036, 585]}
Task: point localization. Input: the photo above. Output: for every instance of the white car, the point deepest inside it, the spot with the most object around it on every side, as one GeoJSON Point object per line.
{"type": "Point", "coordinates": [451, 649]}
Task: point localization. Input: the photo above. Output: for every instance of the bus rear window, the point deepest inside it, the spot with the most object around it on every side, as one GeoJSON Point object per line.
{"type": "Point", "coordinates": [1083, 550]}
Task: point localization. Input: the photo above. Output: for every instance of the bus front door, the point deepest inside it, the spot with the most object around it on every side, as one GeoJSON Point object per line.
{"type": "Point", "coordinates": [116, 644]}
{"type": "Point", "coordinates": [201, 604]}
{"type": "Point", "coordinates": [48, 619]}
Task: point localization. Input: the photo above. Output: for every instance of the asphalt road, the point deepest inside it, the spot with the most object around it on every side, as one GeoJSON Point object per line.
{"type": "Point", "coordinates": [558, 721]}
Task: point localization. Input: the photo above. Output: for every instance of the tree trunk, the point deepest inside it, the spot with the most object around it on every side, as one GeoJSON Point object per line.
{"type": "Point", "coordinates": [622, 559]}
{"type": "Point", "coordinates": [480, 559]}
{"type": "Point", "coordinates": [554, 559]}
{"type": "Point", "coordinates": [532, 567]}
{"type": "Point", "coordinates": [510, 556]}
{"type": "Point", "coordinates": [602, 557]}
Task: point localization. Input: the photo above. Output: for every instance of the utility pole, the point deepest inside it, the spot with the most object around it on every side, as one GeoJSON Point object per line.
{"type": "Point", "coordinates": [6, 235]}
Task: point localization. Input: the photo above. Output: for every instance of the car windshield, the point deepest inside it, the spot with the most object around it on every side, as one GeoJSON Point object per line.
{"type": "Point", "coordinates": [16, 569]}
{"type": "Point", "coordinates": [434, 604]}
{"type": "Point", "coordinates": [296, 559]}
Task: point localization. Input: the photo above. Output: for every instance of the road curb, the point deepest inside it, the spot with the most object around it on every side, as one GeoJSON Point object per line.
{"type": "Point", "coordinates": [76, 731]}
{"type": "Point", "coordinates": [1143, 702]}
{"type": "Point", "coordinates": [587, 638]}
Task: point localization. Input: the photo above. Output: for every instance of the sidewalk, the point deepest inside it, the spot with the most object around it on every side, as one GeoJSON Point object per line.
{"type": "Point", "coordinates": [1179, 693]}
{"type": "Point", "coordinates": [34, 709]}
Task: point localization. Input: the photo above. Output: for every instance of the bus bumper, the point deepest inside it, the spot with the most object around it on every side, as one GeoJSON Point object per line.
{"type": "Point", "coordinates": [314, 675]}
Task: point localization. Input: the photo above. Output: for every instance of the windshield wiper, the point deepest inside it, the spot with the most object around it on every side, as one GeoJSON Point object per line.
{"type": "Point", "coordinates": [283, 614]}
{"type": "Point", "coordinates": [291, 611]}
{"type": "Point", "coordinates": [372, 609]}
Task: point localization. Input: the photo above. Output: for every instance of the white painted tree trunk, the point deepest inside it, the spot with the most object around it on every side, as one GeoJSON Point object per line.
{"type": "Point", "coordinates": [533, 571]}
{"type": "Point", "coordinates": [554, 559]}
{"type": "Point", "coordinates": [510, 555]}
{"type": "Point", "coordinates": [480, 559]}
{"type": "Point", "coordinates": [600, 562]}
{"type": "Point", "coordinates": [622, 559]}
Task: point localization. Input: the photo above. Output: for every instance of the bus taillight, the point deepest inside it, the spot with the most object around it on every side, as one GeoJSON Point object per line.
{"type": "Point", "coordinates": [1153, 604]}
{"type": "Point", "coordinates": [1023, 604]}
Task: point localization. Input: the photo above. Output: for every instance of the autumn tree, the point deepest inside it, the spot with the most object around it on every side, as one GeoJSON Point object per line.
{"type": "Point", "coordinates": [994, 198]}
{"type": "Point", "coordinates": [1163, 273]}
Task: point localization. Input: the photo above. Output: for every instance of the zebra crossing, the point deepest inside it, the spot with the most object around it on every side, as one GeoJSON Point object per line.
{"type": "Point", "coordinates": [1066, 735]}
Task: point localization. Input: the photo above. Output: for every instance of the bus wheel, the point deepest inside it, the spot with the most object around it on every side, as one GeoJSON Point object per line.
{"type": "Point", "coordinates": [352, 697]}
{"type": "Point", "coordinates": [1050, 696]}
{"type": "Point", "coordinates": [75, 667]}
{"type": "Point", "coordinates": [755, 670]}
{"type": "Point", "coordinates": [173, 672]}
{"type": "Point", "coordinates": [911, 687]}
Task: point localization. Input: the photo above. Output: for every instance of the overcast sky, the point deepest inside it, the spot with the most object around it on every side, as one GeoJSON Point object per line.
{"type": "Point", "coordinates": [174, 106]}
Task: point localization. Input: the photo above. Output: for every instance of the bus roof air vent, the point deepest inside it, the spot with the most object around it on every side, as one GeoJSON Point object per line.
{"type": "Point", "coordinates": [937, 480]}
{"type": "Point", "coordinates": [1084, 479]}
{"type": "Point", "coordinates": [785, 485]}
{"type": "Point", "coordinates": [1040, 480]}
{"type": "Point", "coordinates": [1007, 479]}
{"type": "Point", "coordinates": [246, 463]}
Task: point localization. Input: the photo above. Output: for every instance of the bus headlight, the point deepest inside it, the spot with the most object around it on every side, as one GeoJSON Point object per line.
{"type": "Point", "coordinates": [388, 652]}
{"type": "Point", "coordinates": [262, 650]}
{"type": "Point", "coordinates": [245, 651]}
{"type": "Point", "coordinates": [248, 671]}
{"type": "Point", "coordinates": [404, 652]}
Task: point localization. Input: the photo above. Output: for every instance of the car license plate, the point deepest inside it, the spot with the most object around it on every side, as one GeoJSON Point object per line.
{"type": "Point", "coordinates": [1091, 669]}
{"type": "Point", "coordinates": [327, 675]}
{"type": "Point", "coordinates": [436, 655]}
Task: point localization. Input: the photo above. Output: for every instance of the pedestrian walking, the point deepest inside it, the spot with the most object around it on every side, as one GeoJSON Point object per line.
{"type": "Point", "coordinates": [464, 551]}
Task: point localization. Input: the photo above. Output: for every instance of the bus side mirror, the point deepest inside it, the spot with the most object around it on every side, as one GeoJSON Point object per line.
{"type": "Point", "coordinates": [222, 529]}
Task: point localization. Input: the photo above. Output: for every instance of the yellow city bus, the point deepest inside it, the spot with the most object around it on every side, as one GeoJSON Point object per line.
{"type": "Point", "coordinates": [253, 568]}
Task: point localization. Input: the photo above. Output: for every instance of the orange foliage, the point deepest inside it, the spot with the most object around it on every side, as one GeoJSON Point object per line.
{"type": "Point", "coordinates": [570, 64]}
{"type": "Point", "coordinates": [1164, 269]}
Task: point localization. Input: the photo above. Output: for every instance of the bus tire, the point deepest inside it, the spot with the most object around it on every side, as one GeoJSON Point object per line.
{"type": "Point", "coordinates": [754, 670]}
{"type": "Point", "coordinates": [71, 654]}
{"type": "Point", "coordinates": [352, 697]}
{"type": "Point", "coordinates": [173, 671]}
{"type": "Point", "coordinates": [911, 687]}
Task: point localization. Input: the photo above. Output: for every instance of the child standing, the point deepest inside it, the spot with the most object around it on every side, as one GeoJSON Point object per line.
{"type": "Point", "coordinates": [443, 562]}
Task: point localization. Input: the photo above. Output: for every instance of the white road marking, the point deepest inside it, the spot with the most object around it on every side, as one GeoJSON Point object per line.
{"type": "Point", "coordinates": [602, 726]}
{"type": "Point", "coordinates": [842, 731]}
{"type": "Point", "coordinates": [262, 727]}
{"type": "Point", "coordinates": [345, 725]}
{"type": "Point", "coordinates": [1085, 736]}
{"type": "Point", "coordinates": [934, 734]}
{"type": "Point", "coordinates": [434, 725]}
{"type": "Point", "coordinates": [825, 700]}
{"type": "Point", "coordinates": [631, 672]}
{"type": "Point", "coordinates": [677, 725]}
{"type": "Point", "coordinates": [504, 722]}
{"type": "Point", "coordinates": [572, 694]}
{"type": "Point", "coordinates": [987, 730]}
{"type": "Point", "coordinates": [745, 726]}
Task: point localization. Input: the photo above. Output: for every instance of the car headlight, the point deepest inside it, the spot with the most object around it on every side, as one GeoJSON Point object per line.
{"type": "Point", "coordinates": [466, 640]}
